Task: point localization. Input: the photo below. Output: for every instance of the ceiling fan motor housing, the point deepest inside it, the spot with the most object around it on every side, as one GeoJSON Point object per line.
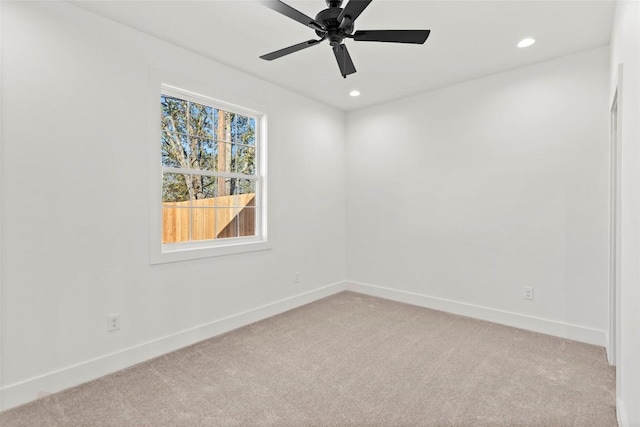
{"type": "Point", "coordinates": [329, 18]}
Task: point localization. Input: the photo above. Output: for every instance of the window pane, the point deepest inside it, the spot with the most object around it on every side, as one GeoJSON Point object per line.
{"type": "Point", "coordinates": [175, 188]}
{"type": "Point", "coordinates": [176, 149]}
{"type": "Point", "coordinates": [198, 187]}
{"type": "Point", "coordinates": [246, 202]}
{"type": "Point", "coordinates": [233, 186]}
{"type": "Point", "coordinates": [247, 222]}
{"type": "Point", "coordinates": [234, 155]}
{"type": "Point", "coordinates": [223, 158]}
{"type": "Point", "coordinates": [246, 186]}
{"type": "Point", "coordinates": [174, 114]}
{"type": "Point", "coordinates": [200, 120]}
{"type": "Point", "coordinates": [227, 222]}
{"type": "Point", "coordinates": [245, 160]}
{"type": "Point", "coordinates": [204, 222]}
{"type": "Point", "coordinates": [202, 155]}
{"type": "Point", "coordinates": [209, 187]}
{"type": "Point", "coordinates": [244, 130]}
{"type": "Point", "coordinates": [170, 150]}
{"type": "Point", "coordinates": [176, 223]}
{"type": "Point", "coordinates": [223, 188]}
{"type": "Point", "coordinates": [222, 125]}
{"type": "Point", "coordinates": [234, 127]}
{"type": "Point", "coordinates": [250, 137]}
{"type": "Point", "coordinates": [176, 212]}
{"type": "Point", "coordinates": [232, 196]}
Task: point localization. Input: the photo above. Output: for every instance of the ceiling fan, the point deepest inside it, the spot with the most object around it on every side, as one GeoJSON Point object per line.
{"type": "Point", "coordinates": [335, 24]}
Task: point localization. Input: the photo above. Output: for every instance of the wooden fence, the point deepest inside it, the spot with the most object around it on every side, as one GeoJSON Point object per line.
{"type": "Point", "coordinates": [212, 218]}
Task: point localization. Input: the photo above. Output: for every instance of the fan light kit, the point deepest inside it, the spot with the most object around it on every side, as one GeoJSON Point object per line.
{"type": "Point", "coordinates": [335, 24]}
{"type": "Point", "coordinates": [354, 93]}
{"type": "Point", "coordinates": [526, 42]}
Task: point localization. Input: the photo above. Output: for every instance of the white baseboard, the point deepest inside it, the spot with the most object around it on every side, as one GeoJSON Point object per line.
{"type": "Point", "coordinates": [621, 412]}
{"type": "Point", "coordinates": [536, 324]}
{"type": "Point", "coordinates": [25, 391]}
{"type": "Point", "coordinates": [609, 351]}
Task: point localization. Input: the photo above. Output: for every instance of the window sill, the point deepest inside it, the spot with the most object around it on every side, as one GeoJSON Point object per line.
{"type": "Point", "coordinates": [185, 253]}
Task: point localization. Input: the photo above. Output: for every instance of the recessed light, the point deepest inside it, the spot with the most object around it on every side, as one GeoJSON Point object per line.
{"type": "Point", "coordinates": [354, 93]}
{"type": "Point", "coordinates": [526, 42]}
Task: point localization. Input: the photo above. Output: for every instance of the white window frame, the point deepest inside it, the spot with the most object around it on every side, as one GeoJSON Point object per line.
{"type": "Point", "coordinates": [182, 251]}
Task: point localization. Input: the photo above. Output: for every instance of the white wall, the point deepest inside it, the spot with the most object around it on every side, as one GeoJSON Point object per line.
{"type": "Point", "coordinates": [458, 198]}
{"type": "Point", "coordinates": [75, 210]}
{"type": "Point", "coordinates": [625, 50]}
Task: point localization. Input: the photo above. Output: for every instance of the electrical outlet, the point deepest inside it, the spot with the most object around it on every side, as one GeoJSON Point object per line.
{"type": "Point", "coordinates": [527, 292]}
{"type": "Point", "coordinates": [113, 322]}
{"type": "Point", "coordinates": [296, 277]}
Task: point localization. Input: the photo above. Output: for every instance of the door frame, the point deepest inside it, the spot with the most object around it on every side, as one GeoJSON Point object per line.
{"type": "Point", "coordinates": [613, 346]}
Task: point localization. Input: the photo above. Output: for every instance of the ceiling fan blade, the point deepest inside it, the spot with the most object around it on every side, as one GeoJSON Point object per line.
{"type": "Point", "coordinates": [287, 50]}
{"type": "Point", "coordinates": [392, 36]}
{"type": "Point", "coordinates": [353, 9]}
{"type": "Point", "coordinates": [292, 13]}
{"type": "Point", "coordinates": [344, 60]}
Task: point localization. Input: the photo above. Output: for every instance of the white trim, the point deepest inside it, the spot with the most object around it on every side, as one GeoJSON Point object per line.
{"type": "Point", "coordinates": [613, 345]}
{"type": "Point", "coordinates": [1, 207]}
{"type": "Point", "coordinates": [173, 253]}
{"type": "Point", "coordinates": [613, 222]}
{"type": "Point", "coordinates": [536, 324]}
{"type": "Point", "coordinates": [621, 412]}
{"type": "Point", "coordinates": [168, 169]}
{"type": "Point", "coordinates": [163, 82]}
{"type": "Point", "coordinates": [25, 391]}
{"type": "Point", "coordinates": [185, 94]}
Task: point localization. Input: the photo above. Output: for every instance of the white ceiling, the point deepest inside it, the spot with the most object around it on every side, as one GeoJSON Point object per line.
{"type": "Point", "coordinates": [468, 39]}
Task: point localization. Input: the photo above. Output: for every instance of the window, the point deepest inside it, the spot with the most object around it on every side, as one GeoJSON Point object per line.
{"type": "Point", "coordinates": [212, 180]}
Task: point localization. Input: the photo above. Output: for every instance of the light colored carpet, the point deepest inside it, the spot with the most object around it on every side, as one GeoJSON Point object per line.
{"type": "Point", "coordinates": [350, 360]}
